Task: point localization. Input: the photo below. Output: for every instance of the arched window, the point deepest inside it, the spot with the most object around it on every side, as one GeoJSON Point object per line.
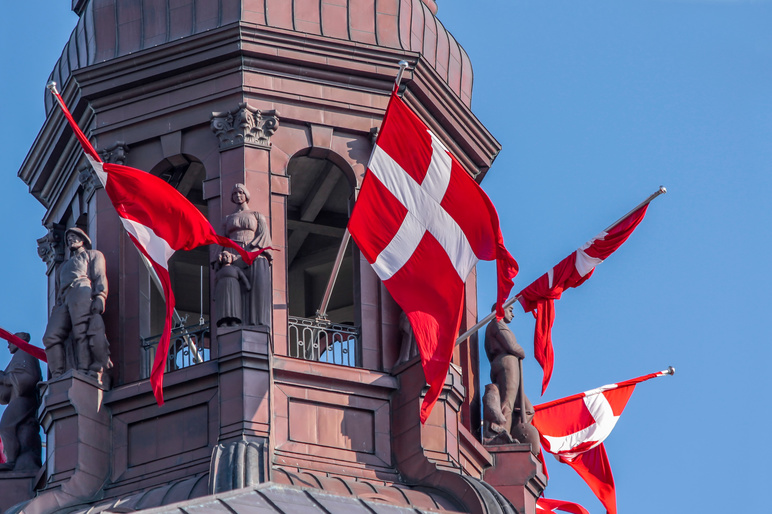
{"type": "Point", "coordinates": [317, 214]}
{"type": "Point", "coordinates": [189, 274]}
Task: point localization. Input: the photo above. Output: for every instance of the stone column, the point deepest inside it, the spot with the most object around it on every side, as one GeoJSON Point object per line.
{"type": "Point", "coordinates": [241, 457]}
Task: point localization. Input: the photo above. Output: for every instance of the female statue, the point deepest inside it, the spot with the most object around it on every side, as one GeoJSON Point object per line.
{"type": "Point", "coordinates": [250, 230]}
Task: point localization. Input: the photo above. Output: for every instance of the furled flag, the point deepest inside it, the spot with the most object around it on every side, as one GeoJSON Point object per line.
{"type": "Point", "coordinates": [38, 353]}
{"type": "Point", "coordinates": [422, 222]}
{"type": "Point", "coordinates": [160, 221]}
{"type": "Point", "coordinates": [547, 506]}
{"type": "Point", "coordinates": [572, 271]}
{"type": "Point", "coordinates": [574, 428]}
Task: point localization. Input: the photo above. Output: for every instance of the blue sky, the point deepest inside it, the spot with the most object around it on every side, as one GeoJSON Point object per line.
{"type": "Point", "coordinates": [596, 103]}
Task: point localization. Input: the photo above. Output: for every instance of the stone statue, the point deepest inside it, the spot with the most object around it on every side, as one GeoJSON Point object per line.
{"type": "Point", "coordinates": [227, 292]}
{"type": "Point", "coordinates": [19, 428]}
{"type": "Point", "coordinates": [507, 412]}
{"type": "Point", "coordinates": [250, 230]}
{"type": "Point", "coordinates": [81, 292]}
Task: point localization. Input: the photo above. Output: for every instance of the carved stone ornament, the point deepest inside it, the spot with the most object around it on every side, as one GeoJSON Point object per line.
{"type": "Point", "coordinates": [115, 154]}
{"type": "Point", "coordinates": [88, 181]}
{"type": "Point", "coordinates": [51, 246]}
{"type": "Point", "coordinates": [244, 125]}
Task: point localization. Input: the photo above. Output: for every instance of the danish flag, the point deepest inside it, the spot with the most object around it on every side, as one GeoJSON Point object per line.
{"type": "Point", "coordinates": [574, 428]}
{"type": "Point", "coordinates": [422, 222]}
{"type": "Point", "coordinates": [160, 221]}
{"type": "Point", "coordinates": [572, 271]}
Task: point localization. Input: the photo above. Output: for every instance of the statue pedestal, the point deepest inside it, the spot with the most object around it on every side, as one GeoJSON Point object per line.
{"type": "Point", "coordinates": [77, 427]}
{"type": "Point", "coordinates": [517, 474]}
{"type": "Point", "coordinates": [15, 487]}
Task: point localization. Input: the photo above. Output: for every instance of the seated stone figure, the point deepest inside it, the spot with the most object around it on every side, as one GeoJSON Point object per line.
{"type": "Point", "coordinates": [19, 428]}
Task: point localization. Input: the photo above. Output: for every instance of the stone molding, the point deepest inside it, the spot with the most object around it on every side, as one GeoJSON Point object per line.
{"type": "Point", "coordinates": [115, 153]}
{"type": "Point", "coordinates": [244, 125]}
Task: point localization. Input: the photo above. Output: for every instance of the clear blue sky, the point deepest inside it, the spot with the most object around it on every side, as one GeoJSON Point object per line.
{"type": "Point", "coordinates": [596, 103]}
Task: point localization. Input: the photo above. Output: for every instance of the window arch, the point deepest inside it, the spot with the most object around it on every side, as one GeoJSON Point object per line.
{"type": "Point", "coordinates": [318, 210]}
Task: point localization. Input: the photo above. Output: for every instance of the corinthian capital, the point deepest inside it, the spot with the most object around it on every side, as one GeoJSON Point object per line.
{"type": "Point", "coordinates": [244, 125]}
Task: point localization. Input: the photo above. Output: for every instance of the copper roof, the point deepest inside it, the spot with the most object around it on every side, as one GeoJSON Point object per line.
{"type": "Point", "coordinates": [113, 28]}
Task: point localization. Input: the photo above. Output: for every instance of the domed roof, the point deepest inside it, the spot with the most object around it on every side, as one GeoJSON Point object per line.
{"type": "Point", "coordinates": [113, 28]}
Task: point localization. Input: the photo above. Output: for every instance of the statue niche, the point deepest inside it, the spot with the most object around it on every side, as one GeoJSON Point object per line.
{"type": "Point", "coordinates": [19, 428]}
{"type": "Point", "coordinates": [250, 230]}
{"type": "Point", "coordinates": [507, 412]}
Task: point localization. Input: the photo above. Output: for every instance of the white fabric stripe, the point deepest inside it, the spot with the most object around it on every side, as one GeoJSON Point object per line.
{"type": "Point", "coordinates": [601, 411]}
{"type": "Point", "coordinates": [550, 277]}
{"type": "Point", "coordinates": [424, 213]}
{"type": "Point", "coordinates": [100, 171]}
{"type": "Point", "coordinates": [585, 263]}
{"type": "Point", "coordinates": [156, 247]}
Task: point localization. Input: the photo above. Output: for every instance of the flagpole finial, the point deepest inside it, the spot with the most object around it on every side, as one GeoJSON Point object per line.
{"type": "Point", "coordinates": [671, 370]}
{"type": "Point", "coordinates": [662, 189]}
{"type": "Point", "coordinates": [52, 86]}
{"type": "Point", "coordinates": [403, 65]}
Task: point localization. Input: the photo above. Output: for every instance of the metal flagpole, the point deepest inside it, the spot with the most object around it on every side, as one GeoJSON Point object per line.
{"type": "Point", "coordinates": [157, 282]}
{"type": "Point", "coordinates": [321, 313]}
{"type": "Point", "coordinates": [511, 301]}
{"type": "Point", "coordinates": [669, 371]}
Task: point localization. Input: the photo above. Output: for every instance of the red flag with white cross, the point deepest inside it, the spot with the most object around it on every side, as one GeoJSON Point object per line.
{"type": "Point", "coordinates": [159, 221]}
{"type": "Point", "coordinates": [574, 428]}
{"type": "Point", "coordinates": [572, 271]}
{"type": "Point", "coordinates": [422, 222]}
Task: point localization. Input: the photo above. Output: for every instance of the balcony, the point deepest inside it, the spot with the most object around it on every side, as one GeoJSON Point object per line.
{"type": "Point", "coordinates": [324, 341]}
{"type": "Point", "coordinates": [188, 346]}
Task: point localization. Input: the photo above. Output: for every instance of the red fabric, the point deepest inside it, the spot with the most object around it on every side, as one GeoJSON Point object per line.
{"type": "Point", "coordinates": [38, 353]}
{"type": "Point", "coordinates": [594, 468]}
{"type": "Point", "coordinates": [547, 506]}
{"type": "Point", "coordinates": [428, 286]}
{"type": "Point", "coordinates": [2, 454]}
{"type": "Point", "coordinates": [147, 200]}
{"type": "Point", "coordinates": [539, 296]}
{"type": "Point", "coordinates": [574, 428]}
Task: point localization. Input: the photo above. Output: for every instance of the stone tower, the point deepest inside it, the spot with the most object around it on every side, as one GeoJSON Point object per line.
{"type": "Point", "coordinates": [284, 96]}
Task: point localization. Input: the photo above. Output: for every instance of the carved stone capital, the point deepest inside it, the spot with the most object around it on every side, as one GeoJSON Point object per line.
{"type": "Point", "coordinates": [88, 181]}
{"type": "Point", "coordinates": [51, 246]}
{"type": "Point", "coordinates": [244, 125]}
{"type": "Point", "coordinates": [116, 153]}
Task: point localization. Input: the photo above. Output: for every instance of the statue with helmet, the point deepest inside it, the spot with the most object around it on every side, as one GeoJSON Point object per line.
{"type": "Point", "coordinates": [75, 335]}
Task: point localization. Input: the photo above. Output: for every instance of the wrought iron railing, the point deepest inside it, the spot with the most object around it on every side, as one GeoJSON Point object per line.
{"type": "Point", "coordinates": [323, 341]}
{"type": "Point", "coordinates": [189, 345]}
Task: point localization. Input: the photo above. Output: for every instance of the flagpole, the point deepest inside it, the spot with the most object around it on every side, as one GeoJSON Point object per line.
{"type": "Point", "coordinates": [592, 392]}
{"type": "Point", "coordinates": [511, 301]}
{"type": "Point", "coordinates": [51, 86]}
{"type": "Point", "coordinates": [661, 191]}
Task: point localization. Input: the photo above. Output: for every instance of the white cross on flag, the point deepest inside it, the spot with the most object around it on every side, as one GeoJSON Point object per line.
{"type": "Point", "coordinates": [574, 428]}
{"type": "Point", "coordinates": [423, 222]}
